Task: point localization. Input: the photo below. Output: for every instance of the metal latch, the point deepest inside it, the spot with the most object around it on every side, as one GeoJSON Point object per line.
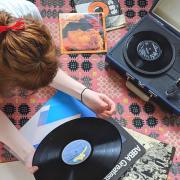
{"type": "Point", "coordinates": [137, 91]}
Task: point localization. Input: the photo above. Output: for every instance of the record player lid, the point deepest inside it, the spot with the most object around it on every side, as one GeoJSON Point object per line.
{"type": "Point", "coordinates": [169, 12]}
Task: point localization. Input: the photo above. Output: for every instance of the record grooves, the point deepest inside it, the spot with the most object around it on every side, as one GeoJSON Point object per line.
{"type": "Point", "coordinates": [96, 144]}
{"type": "Point", "coordinates": [149, 53]}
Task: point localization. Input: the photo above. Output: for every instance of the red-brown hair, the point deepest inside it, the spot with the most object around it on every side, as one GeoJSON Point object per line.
{"type": "Point", "coordinates": [27, 56]}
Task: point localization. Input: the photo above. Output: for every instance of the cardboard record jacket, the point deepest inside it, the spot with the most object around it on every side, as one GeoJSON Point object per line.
{"type": "Point", "coordinates": [85, 148]}
{"type": "Point", "coordinates": [111, 9]}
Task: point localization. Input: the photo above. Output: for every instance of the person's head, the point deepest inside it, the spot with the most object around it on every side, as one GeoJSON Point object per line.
{"type": "Point", "coordinates": [27, 56]}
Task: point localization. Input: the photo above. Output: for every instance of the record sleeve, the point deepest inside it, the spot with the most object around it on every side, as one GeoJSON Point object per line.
{"type": "Point", "coordinates": [62, 108]}
{"type": "Point", "coordinates": [155, 163]}
{"type": "Point", "coordinates": [86, 148]}
{"type": "Point", "coordinates": [59, 109]}
{"type": "Point", "coordinates": [111, 8]}
{"type": "Point", "coordinates": [82, 33]}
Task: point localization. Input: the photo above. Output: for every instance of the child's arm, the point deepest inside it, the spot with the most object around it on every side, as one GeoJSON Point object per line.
{"type": "Point", "coordinates": [101, 104]}
{"type": "Point", "coordinates": [65, 83]}
{"type": "Point", "coordinates": [13, 139]}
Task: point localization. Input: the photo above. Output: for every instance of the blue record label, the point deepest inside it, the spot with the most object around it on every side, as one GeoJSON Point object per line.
{"type": "Point", "coordinates": [76, 152]}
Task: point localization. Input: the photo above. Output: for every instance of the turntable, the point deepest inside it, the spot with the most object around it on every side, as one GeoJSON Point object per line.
{"type": "Point", "coordinates": [149, 55]}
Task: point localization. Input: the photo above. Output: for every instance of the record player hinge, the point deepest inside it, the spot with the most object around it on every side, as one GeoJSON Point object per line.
{"type": "Point", "coordinates": [160, 23]}
{"type": "Point", "coordinates": [129, 76]}
{"type": "Point", "coordinates": [152, 94]}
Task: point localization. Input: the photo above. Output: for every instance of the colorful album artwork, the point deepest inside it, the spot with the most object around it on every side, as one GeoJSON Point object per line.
{"type": "Point", "coordinates": [155, 163]}
{"type": "Point", "coordinates": [111, 8]}
{"type": "Point", "coordinates": [62, 108]}
{"type": "Point", "coordinates": [59, 109]}
{"type": "Point", "coordinates": [82, 33]}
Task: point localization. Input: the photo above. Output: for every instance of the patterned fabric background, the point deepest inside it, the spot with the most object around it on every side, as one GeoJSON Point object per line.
{"type": "Point", "coordinates": [131, 112]}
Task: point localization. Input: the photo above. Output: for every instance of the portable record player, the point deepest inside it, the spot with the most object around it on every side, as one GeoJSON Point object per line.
{"type": "Point", "coordinates": [149, 55]}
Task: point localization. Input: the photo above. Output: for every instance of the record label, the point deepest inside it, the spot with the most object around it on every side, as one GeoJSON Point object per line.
{"type": "Point", "coordinates": [99, 7]}
{"type": "Point", "coordinates": [149, 50]}
{"type": "Point", "coordinates": [76, 152]}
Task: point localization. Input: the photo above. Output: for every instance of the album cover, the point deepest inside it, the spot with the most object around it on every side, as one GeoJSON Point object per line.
{"type": "Point", "coordinates": [155, 163]}
{"type": "Point", "coordinates": [111, 8]}
{"type": "Point", "coordinates": [57, 110]}
{"type": "Point", "coordinates": [131, 151]}
{"type": "Point", "coordinates": [14, 170]}
{"type": "Point", "coordinates": [82, 33]}
{"type": "Point", "coordinates": [83, 146]}
{"type": "Point", "coordinates": [62, 109]}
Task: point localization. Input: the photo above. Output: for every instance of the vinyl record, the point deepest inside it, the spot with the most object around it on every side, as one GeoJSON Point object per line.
{"type": "Point", "coordinates": [99, 7]}
{"type": "Point", "coordinates": [149, 53]}
{"type": "Point", "coordinates": [82, 149]}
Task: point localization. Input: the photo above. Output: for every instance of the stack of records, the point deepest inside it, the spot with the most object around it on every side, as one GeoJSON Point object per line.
{"type": "Point", "coordinates": [71, 145]}
{"type": "Point", "coordinates": [86, 148]}
{"type": "Point", "coordinates": [155, 163]}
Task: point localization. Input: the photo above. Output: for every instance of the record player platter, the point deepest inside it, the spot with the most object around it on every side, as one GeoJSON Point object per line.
{"type": "Point", "coordinates": [149, 53]}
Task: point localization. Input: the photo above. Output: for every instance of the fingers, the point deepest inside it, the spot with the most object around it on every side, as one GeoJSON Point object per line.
{"type": "Point", "coordinates": [33, 169]}
{"type": "Point", "coordinates": [102, 116]}
{"type": "Point", "coordinates": [110, 105]}
{"type": "Point", "coordinates": [104, 105]}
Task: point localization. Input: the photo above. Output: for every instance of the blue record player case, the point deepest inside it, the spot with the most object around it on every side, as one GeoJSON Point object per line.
{"type": "Point", "coordinates": [149, 55]}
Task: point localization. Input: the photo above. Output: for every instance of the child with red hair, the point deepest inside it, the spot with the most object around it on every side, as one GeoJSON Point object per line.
{"type": "Point", "coordinates": [28, 61]}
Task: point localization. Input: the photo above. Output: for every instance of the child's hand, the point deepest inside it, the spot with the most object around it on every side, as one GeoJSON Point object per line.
{"type": "Point", "coordinates": [28, 164]}
{"type": "Point", "coordinates": [32, 169]}
{"type": "Point", "coordinates": [99, 103]}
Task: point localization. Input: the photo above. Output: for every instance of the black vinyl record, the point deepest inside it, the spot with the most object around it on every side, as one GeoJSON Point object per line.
{"type": "Point", "coordinates": [81, 149]}
{"type": "Point", "coordinates": [149, 53]}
